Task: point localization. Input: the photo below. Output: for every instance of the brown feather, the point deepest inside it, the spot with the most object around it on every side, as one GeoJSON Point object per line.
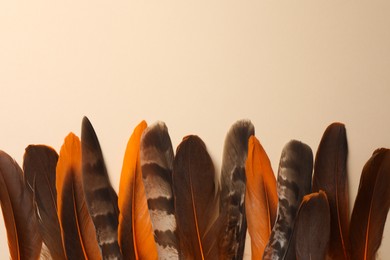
{"type": "Point", "coordinates": [24, 241]}
{"type": "Point", "coordinates": [100, 197]}
{"type": "Point", "coordinates": [261, 198]}
{"type": "Point", "coordinates": [39, 166]}
{"type": "Point", "coordinates": [312, 227]}
{"type": "Point", "coordinates": [196, 200]}
{"type": "Point", "coordinates": [330, 175]}
{"type": "Point", "coordinates": [135, 229]}
{"type": "Point", "coordinates": [371, 207]}
{"type": "Point", "coordinates": [78, 232]}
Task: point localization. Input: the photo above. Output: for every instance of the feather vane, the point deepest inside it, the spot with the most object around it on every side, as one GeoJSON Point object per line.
{"type": "Point", "coordinates": [293, 182]}
{"type": "Point", "coordinates": [39, 166]}
{"type": "Point", "coordinates": [135, 229]}
{"type": "Point", "coordinates": [371, 207]}
{"type": "Point", "coordinates": [78, 232]}
{"type": "Point", "coordinates": [261, 198]}
{"type": "Point", "coordinates": [24, 241]}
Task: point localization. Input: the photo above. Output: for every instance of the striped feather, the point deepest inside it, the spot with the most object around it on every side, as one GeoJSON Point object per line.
{"type": "Point", "coordinates": [100, 197]}
{"type": "Point", "coordinates": [156, 155]}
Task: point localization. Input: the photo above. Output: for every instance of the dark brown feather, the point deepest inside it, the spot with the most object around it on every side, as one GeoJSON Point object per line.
{"type": "Point", "coordinates": [196, 200]}
{"type": "Point", "coordinates": [330, 175]}
{"type": "Point", "coordinates": [371, 207]}
{"type": "Point", "coordinates": [100, 197]}
{"type": "Point", "coordinates": [39, 166]}
{"type": "Point", "coordinates": [312, 227]}
{"type": "Point", "coordinates": [24, 241]}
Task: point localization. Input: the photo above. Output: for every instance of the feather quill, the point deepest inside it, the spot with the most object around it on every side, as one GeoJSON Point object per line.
{"type": "Point", "coordinates": [39, 166]}
{"type": "Point", "coordinates": [232, 200]}
{"type": "Point", "coordinates": [157, 162]}
{"type": "Point", "coordinates": [24, 241]}
{"type": "Point", "coordinates": [294, 182]}
{"type": "Point", "coordinates": [312, 228]}
{"type": "Point", "coordinates": [100, 197]}
{"type": "Point", "coordinates": [371, 206]}
{"type": "Point", "coordinates": [330, 175]}
{"type": "Point", "coordinates": [78, 232]}
{"type": "Point", "coordinates": [196, 200]}
{"type": "Point", "coordinates": [135, 229]}
{"type": "Point", "coordinates": [261, 198]}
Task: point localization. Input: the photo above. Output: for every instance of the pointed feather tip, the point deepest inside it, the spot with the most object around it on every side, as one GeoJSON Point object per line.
{"type": "Point", "coordinates": [71, 143]}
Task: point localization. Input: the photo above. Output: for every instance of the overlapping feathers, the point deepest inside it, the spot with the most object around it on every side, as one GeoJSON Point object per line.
{"type": "Point", "coordinates": [173, 205]}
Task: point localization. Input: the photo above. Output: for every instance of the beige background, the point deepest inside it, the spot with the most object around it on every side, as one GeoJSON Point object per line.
{"type": "Point", "coordinates": [292, 67]}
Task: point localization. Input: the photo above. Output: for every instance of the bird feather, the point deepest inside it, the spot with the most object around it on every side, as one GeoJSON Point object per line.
{"type": "Point", "coordinates": [24, 241]}
{"type": "Point", "coordinates": [232, 199]}
{"type": "Point", "coordinates": [135, 229]}
{"type": "Point", "coordinates": [196, 200]}
{"type": "Point", "coordinates": [261, 198]}
{"type": "Point", "coordinates": [100, 197]}
{"type": "Point", "coordinates": [330, 175]}
{"type": "Point", "coordinates": [39, 166]}
{"type": "Point", "coordinates": [293, 182]}
{"type": "Point", "coordinates": [371, 206]}
{"type": "Point", "coordinates": [78, 232]}
{"type": "Point", "coordinates": [156, 155]}
{"type": "Point", "coordinates": [312, 227]}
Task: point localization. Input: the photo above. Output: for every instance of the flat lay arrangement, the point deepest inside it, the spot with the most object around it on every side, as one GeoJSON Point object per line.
{"type": "Point", "coordinates": [172, 204]}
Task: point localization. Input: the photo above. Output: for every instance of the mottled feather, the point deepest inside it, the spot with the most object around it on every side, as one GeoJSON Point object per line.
{"type": "Point", "coordinates": [232, 200]}
{"type": "Point", "coordinates": [293, 182]}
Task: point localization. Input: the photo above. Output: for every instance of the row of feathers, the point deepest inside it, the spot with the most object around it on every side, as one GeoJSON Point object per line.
{"type": "Point", "coordinates": [174, 206]}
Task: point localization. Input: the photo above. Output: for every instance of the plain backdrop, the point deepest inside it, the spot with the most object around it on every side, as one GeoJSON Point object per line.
{"type": "Point", "coordinates": [292, 67]}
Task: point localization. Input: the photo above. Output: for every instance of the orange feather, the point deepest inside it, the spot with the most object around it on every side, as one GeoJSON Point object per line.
{"type": "Point", "coordinates": [261, 197]}
{"type": "Point", "coordinates": [135, 229]}
{"type": "Point", "coordinates": [78, 232]}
